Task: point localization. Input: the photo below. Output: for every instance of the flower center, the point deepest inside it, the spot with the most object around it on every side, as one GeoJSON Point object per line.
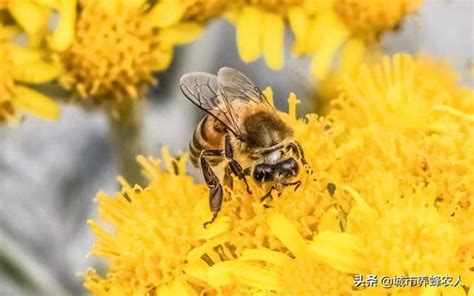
{"type": "Point", "coordinates": [113, 61]}
{"type": "Point", "coordinates": [369, 19]}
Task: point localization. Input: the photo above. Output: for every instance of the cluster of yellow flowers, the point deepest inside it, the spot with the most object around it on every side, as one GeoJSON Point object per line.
{"type": "Point", "coordinates": [18, 66]}
{"type": "Point", "coordinates": [391, 194]}
{"type": "Point", "coordinates": [105, 52]}
{"type": "Point", "coordinates": [321, 28]}
{"type": "Point", "coordinates": [112, 63]}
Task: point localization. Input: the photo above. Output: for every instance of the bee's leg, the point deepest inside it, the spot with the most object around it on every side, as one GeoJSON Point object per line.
{"type": "Point", "coordinates": [296, 184]}
{"type": "Point", "coordinates": [234, 165]}
{"type": "Point", "coordinates": [228, 180]}
{"type": "Point", "coordinates": [216, 195]}
{"type": "Point", "coordinates": [268, 194]}
{"type": "Point", "coordinates": [296, 147]}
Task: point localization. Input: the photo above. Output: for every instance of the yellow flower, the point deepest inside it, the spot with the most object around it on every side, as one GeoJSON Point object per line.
{"type": "Point", "coordinates": [369, 19]}
{"type": "Point", "coordinates": [406, 236]}
{"type": "Point", "coordinates": [117, 48]}
{"type": "Point", "coordinates": [388, 91]}
{"type": "Point", "coordinates": [260, 29]}
{"type": "Point", "coordinates": [322, 27]}
{"type": "Point", "coordinates": [18, 66]}
{"type": "Point", "coordinates": [153, 229]}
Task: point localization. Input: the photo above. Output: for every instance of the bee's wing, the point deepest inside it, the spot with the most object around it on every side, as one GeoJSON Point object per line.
{"type": "Point", "coordinates": [202, 89]}
{"type": "Point", "coordinates": [233, 85]}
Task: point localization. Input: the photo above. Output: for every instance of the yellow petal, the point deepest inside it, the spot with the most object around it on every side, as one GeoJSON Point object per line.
{"type": "Point", "coordinates": [249, 33]}
{"type": "Point", "coordinates": [164, 290]}
{"type": "Point", "coordinates": [163, 58]}
{"type": "Point", "coordinates": [288, 234]}
{"type": "Point", "coordinates": [299, 23]}
{"type": "Point", "coordinates": [131, 4]}
{"type": "Point", "coordinates": [430, 291]}
{"type": "Point", "coordinates": [352, 55]}
{"type": "Point", "coordinates": [166, 13]}
{"type": "Point", "coordinates": [48, 3]}
{"type": "Point", "coordinates": [180, 34]}
{"type": "Point", "coordinates": [38, 72]}
{"type": "Point", "coordinates": [226, 273]}
{"type": "Point", "coordinates": [358, 198]}
{"type": "Point", "coordinates": [337, 258]}
{"type": "Point", "coordinates": [179, 287]}
{"type": "Point", "coordinates": [454, 112]}
{"type": "Point", "coordinates": [198, 270]}
{"type": "Point", "coordinates": [273, 257]}
{"type": "Point", "coordinates": [63, 34]}
{"type": "Point", "coordinates": [326, 35]}
{"type": "Point", "coordinates": [323, 57]}
{"type": "Point", "coordinates": [454, 291]}
{"type": "Point", "coordinates": [330, 220]}
{"type": "Point", "coordinates": [22, 56]}
{"type": "Point", "coordinates": [273, 30]}
{"type": "Point", "coordinates": [33, 18]}
{"type": "Point", "coordinates": [298, 20]}
{"type": "Point", "coordinates": [35, 103]}
{"type": "Point", "coordinates": [7, 32]}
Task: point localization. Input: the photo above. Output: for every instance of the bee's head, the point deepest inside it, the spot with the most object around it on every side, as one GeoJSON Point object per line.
{"type": "Point", "coordinates": [276, 172]}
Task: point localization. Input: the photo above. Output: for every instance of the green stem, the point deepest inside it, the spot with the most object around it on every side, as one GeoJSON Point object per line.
{"type": "Point", "coordinates": [126, 136]}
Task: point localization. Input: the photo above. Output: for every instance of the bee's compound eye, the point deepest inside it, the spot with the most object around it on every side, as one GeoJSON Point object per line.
{"type": "Point", "coordinates": [258, 174]}
{"type": "Point", "coordinates": [262, 173]}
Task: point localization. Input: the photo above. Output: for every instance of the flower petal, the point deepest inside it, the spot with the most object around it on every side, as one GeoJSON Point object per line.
{"type": "Point", "coordinates": [273, 30]}
{"type": "Point", "coordinates": [179, 287]}
{"type": "Point", "coordinates": [166, 13]}
{"type": "Point", "coordinates": [229, 272]}
{"type": "Point", "coordinates": [7, 32]}
{"type": "Point", "coordinates": [352, 55]}
{"type": "Point", "coordinates": [33, 18]}
{"type": "Point", "coordinates": [181, 33]}
{"type": "Point", "coordinates": [299, 23]}
{"type": "Point", "coordinates": [23, 56]}
{"type": "Point", "coordinates": [288, 234]}
{"type": "Point", "coordinates": [163, 57]}
{"type": "Point", "coordinates": [63, 35]}
{"type": "Point", "coordinates": [336, 250]}
{"type": "Point", "coordinates": [273, 257]}
{"type": "Point", "coordinates": [39, 72]}
{"type": "Point", "coordinates": [249, 33]}
{"type": "Point", "coordinates": [33, 102]}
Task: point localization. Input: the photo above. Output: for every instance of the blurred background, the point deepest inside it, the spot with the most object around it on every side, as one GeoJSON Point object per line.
{"type": "Point", "coordinates": [51, 171]}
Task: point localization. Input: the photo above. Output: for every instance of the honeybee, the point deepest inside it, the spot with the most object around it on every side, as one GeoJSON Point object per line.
{"type": "Point", "coordinates": [241, 135]}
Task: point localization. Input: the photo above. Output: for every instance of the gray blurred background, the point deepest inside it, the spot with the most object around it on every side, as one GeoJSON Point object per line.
{"type": "Point", "coordinates": [50, 171]}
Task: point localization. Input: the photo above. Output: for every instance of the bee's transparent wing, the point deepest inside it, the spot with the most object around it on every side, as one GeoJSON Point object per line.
{"type": "Point", "coordinates": [233, 85]}
{"type": "Point", "coordinates": [202, 90]}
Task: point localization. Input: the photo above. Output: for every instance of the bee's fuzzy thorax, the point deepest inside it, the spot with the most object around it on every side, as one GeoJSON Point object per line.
{"type": "Point", "coordinates": [265, 129]}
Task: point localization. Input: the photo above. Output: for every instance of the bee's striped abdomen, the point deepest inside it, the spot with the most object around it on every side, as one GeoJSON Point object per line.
{"type": "Point", "coordinates": [207, 136]}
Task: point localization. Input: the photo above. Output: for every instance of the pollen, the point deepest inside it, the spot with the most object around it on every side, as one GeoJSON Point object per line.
{"type": "Point", "coordinates": [114, 62]}
{"type": "Point", "coordinates": [369, 19]}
